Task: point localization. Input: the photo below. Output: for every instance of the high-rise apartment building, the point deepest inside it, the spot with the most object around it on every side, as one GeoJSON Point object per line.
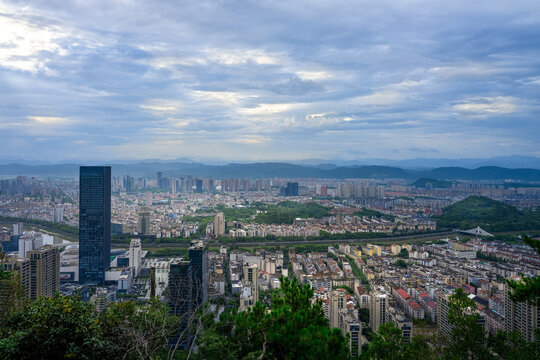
{"type": "Point", "coordinates": [401, 321]}
{"type": "Point", "coordinates": [144, 222]}
{"type": "Point", "coordinates": [251, 280]}
{"type": "Point", "coordinates": [135, 253]}
{"type": "Point", "coordinates": [522, 316]}
{"type": "Point", "coordinates": [443, 308]}
{"type": "Point", "coordinates": [58, 216]}
{"type": "Point", "coordinates": [219, 224]}
{"type": "Point", "coordinates": [338, 302]}
{"type": "Point", "coordinates": [159, 178]}
{"type": "Point", "coordinates": [198, 185]}
{"type": "Point", "coordinates": [18, 228]}
{"type": "Point", "coordinates": [188, 288]}
{"type": "Point", "coordinates": [44, 271]}
{"type": "Point", "coordinates": [198, 255]}
{"type": "Point", "coordinates": [290, 190]}
{"type": "Point", "coordinates": [378, 303]}
{"type": "Point", "coordinates": [349, 324]}
{"type": "Point", "coordinates": [94, 223]}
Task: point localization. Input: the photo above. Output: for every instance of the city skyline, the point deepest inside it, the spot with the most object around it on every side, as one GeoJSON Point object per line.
{"type": "Point", "coordinates": [258, 81]}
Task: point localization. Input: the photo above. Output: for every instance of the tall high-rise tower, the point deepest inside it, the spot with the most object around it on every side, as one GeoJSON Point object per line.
{"type": "Point", "coordinates": [144, 222]}
{"type": "Point", "coordinates": [219, 224]}
{"type": "Point", "coordinates": [94, 223]}
{"type": "Point", "coordinates": [44, 271]}
{"type": "Point", "coordinates": [135, 260]}
{"type": "Point", "coordinates": [188, 289]}
{"type": "Point", "coordinates": [338, 302]}
{"type": "Point", "coordinates": [198, 253]}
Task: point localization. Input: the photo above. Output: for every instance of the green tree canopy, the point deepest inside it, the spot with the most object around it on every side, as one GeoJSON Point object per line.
{"type": "Point", "coordinates": [292, 327]}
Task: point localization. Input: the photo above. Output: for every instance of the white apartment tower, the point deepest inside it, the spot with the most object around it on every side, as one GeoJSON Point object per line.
{"type": "Point", "coordinates": [18, 228]}
{"type": "Point", "coordinates": [135, 251]}
{"type": "Point", "coordinates": [338, 302]}
{"type": "Point", "coordinates": [251, 279]}
{"type": "Point", "coordinates": [378, 303]}
{"type": "Point", "coordinates": [58, 215]}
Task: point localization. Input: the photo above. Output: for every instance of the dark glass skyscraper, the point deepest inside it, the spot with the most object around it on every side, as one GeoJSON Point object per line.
{"type": "Point", "coordinates": [188, 289]}
{"type": "Point", "coordinates": [94, 223]}
{"type": "Point", "coordinates": [198, 254]}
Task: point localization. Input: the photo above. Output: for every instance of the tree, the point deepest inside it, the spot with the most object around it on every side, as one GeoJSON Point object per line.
{"type": "Point", "coordinates": [58, 327]}
{"type": "Point", "coordinates": [467, 338]}
{"type": "Point", "coordinates": [401, 263]}
{"type": "Point", "coordinates": [12, 296]}
{"type": "Point", "coordinates": [136, 332]}
{"type": "Point", "coordinates": [292, 327]}
{"type": "Point", "coordinates": [422, 347]}
{"type": "Point", "coordinates": [512, 346]}
{"type": "Point", "coordinates": [404, 253]}
{"type": "Point", "coordinates": [387, 343]}
{"type": "Point", "coordinates": [528, 288]}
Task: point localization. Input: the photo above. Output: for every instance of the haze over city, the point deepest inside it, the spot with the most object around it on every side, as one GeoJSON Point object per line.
{"type": "Point", "coordinates": [258, 81]}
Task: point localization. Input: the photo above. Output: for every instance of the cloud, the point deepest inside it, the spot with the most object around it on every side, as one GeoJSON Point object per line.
{"type": "Point", "coordinates": [25, 46]}
{"type": "Point", "coordinates": [380, 98]}
{"type": "Point", "coordinates": [159, 106]}
{"type": "Point", "coordinates": [489, 105]}
{"type": "Point", "coordinates": [269, 109]}
{"type": "Point", "coordinates": [262, 80]}
{"type": "Point", "coordinates": [49, 120]}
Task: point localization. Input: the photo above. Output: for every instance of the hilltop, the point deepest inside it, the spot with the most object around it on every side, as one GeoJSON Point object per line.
{"type": "Point", "coordinates": [436, 184]}
{"type": "Point", "coordinates": [489, 214]}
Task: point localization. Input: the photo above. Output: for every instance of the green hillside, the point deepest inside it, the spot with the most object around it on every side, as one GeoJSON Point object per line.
{"type": "Point", "coordinates": [489, 214]}
{"type": "Point", "coordinates": [436, 184]}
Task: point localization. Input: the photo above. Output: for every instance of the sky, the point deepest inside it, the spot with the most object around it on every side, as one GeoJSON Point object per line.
{"type": "Point", "coordinates": [269, 80]}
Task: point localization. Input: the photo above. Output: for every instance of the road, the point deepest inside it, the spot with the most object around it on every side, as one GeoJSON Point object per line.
{"type": "Point", "coordinates": [396, 239]}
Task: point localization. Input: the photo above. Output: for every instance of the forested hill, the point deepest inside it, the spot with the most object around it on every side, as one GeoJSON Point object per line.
{"type": "Point", "coordinates": [438, 184]}
{"type": "Point", "coordinates": [284, 170]}
{"type": "Point", "coordinates": [489, 214]}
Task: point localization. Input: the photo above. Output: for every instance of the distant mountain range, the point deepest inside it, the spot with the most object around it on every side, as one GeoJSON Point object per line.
{"type": "Point", "coordinates": [283, 170]}
{"type": "Point", "coordinates": [511, 162]}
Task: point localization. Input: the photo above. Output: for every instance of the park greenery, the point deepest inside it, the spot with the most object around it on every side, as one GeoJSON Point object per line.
{"type": "Point", "coordinates": [286, 212]}
{"type": "Point", "coordinates": [491, 215]}
{"type": "Point", "coordinates": [357, 272]}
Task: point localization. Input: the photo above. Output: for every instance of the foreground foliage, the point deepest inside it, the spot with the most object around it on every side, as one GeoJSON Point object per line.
{"type": "Point", "coordinates": [292, 327]}
{"type": "Point", "coordinates": [64, 327]}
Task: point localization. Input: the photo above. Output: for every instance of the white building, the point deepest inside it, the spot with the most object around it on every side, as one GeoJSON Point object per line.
{"type": "Point", "coordinates": [58, 215]}
{"type": "Point", "coordinates": [28, 242]}
{"type": "Point", "coordinates": [135, 254]}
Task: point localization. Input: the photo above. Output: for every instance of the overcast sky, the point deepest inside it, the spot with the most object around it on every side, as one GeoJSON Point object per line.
{"type": "Point", "coordinates": [269, 80]}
